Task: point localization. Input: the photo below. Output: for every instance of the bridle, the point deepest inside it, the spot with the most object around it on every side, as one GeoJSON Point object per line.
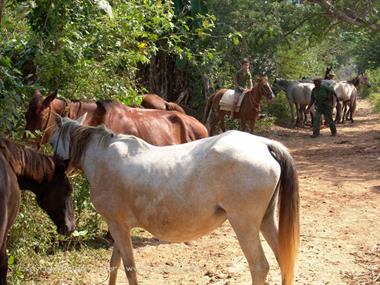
{"type": "Point", "coordinates": [66, 112]}
{"type": "Point", "coordinates": [56, 145]}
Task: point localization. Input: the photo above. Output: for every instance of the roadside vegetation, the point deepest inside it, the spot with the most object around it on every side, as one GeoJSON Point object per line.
{"type": "Point", "coordinates": [181, 50]}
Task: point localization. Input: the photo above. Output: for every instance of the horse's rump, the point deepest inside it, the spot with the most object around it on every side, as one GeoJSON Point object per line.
{"type": "Point", "coordinates": [227, 100]}
{"type": "Point", "coordinates": [153, 101]}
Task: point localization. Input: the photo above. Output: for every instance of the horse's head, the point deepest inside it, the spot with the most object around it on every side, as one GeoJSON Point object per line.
{"type": "Point", "coordinates": [264, 88]}
{"type": "Point", "coordinates": [54, 197]}
{"type": "Point", "coordinates": [329, 75]}
{"type": "Point", "coordinates": [363, 79]}
{"type": "Point", "coordinates": [39, 115]}
{"type": "Point", "coordinates": [280, 84]}
{"type": "Point", "coordinates": [60, 139]}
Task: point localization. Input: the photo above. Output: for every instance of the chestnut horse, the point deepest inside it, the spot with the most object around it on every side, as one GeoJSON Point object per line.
{"type": "Point", "coordinates": [182, 192]}
{"type": "Point", "coordinates": [24, 168]}
{"type": "Point", "coordinates": [153, 101]}
{"type": "Point", "coordinates": [157, 127]}
{"type": "Point", "coordinates": [249, 109]}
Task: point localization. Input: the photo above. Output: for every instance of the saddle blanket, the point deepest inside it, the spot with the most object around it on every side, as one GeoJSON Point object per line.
{"type": "Point", "coordinates": [225, 103]}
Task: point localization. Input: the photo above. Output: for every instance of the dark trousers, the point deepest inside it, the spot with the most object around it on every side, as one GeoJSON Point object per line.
{"type": "Point", "coordinates": [327, 112]}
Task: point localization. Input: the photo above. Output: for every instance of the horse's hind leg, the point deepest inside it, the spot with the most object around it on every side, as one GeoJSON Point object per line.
{"type": "Point", "coordinates": [248, 235]}
{"type": "Point", "coordinates": [122, 236]}
{"type": "Point", "coordinates": [114, 265]}
{"type": "Point", "coordinates": [269, 230]}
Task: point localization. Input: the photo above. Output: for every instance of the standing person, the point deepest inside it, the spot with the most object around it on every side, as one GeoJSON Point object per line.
{"type": "Point", "coordinates": [322, 96]}
{"type": "Point", "coordinates": [243, 82]}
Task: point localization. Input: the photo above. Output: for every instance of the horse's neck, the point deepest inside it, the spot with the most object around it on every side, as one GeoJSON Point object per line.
{"type": "Point", "coordinates": [256, 95]}
{"type": "Point", "coordinates": [27, 183]}
{"type": "Point", "coordinates": [73, 109]}
{"type": "Point", "coordinates": [29, 164]}
{"type": "Point", "coordinates": [355, 81]}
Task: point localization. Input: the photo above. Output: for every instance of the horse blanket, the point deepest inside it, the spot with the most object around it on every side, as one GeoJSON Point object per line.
{"type": "Point", "coordinates": [228, 98]}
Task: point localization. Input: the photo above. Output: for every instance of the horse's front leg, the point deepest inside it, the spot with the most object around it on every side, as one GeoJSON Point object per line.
{"type": "Point", "coordinates": [3, 263]}
{"type": "Point", "coordinates": [123, 244]}
{"type": "Point", "coordinates": [252, 124]}
{"type": "Point", "coordinates": [222, 124]}
{"type": "Point", "coordinates": [243, 125]}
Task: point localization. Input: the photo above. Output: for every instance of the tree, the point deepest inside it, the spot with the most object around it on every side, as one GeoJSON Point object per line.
{"type": "Point", "coordinates": [364, 14]}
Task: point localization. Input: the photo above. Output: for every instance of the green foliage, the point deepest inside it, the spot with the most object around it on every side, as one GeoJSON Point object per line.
{"type": "Point", "coordinates": [278, 109]}
{"type": "Point", "coordinates": [88, 52]}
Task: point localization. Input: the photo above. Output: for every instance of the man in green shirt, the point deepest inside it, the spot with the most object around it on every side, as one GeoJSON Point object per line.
{"type": "Point", "coordinates": [243, 82]}
{"type": "Point", "coordinates": [322, 97]}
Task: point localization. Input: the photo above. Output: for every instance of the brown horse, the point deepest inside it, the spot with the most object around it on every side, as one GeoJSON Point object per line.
{"type": "Point", "coordinates": [249, 110]}
{"type": "Point", "coordinates": [153, 101]}
{"type": "Point", "coordinates": [24, 168]}
{"type": "Point", "coordinates": [328, 74]}
{"type": "Point", "coordinates": [157, 127]}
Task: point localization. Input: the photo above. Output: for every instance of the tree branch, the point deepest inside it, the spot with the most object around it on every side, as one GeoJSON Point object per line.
{"type": "Point", "coordinates": [348, 16]}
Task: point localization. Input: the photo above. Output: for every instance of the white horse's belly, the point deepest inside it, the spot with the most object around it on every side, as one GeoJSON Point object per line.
{"type": "Point", "coordinates": [185, 226]}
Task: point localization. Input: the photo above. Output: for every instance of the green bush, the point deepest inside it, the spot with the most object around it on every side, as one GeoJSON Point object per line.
{"type": "Point", "coordinates": [278, 108]}
{"type": "Point", "coordinates": [375, 100]}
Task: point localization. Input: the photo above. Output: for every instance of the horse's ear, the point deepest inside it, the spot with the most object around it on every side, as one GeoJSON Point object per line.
{"type": "Point", "coordinates": [82, 118]}
{"type": "Point", "coordinates": [49, 99]}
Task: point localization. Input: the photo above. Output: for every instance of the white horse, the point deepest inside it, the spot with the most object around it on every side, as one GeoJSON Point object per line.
{"type": "Point", "coordinates": [347, 92]}
{"type": "Point", "coordinates": [298, 95]}
{"type": "Point", "coordinates": [181, 192]}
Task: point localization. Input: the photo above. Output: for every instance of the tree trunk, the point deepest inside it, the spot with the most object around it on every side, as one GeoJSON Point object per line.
{"type": "Point", "coordinates": [162, 77]}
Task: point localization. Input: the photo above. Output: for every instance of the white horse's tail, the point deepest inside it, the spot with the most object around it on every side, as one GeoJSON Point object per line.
{"type": "Point", "coordinates": [289, 224]}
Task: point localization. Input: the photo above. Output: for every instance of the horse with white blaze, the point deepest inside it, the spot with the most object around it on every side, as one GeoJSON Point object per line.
{"type": "Point", "coordinates": [181, 192]}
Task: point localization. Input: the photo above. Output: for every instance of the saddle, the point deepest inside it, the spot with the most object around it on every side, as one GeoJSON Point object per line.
{"type": "Point", "coordinates": [227, 100]}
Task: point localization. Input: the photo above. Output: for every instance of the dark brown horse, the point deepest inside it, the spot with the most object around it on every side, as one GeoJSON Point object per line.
{"type": "Point", "coordinates": [24, 168]}
{"type": "Point", "coordinates": [328, 74]}
{"type": "Point", "coordinates": [157, 127]}
{"type": "Point", "coordinates": [153, 101]}
{"type": "Point", "coordinates": [249, 109]}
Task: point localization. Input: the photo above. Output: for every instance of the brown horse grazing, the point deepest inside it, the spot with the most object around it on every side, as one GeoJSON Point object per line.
{"type": "Point", "coordinates": [24, 168]}
{"type": "Point", "coordinates": [157, 127]}
{"type": "Point", "coordinates": [153, 101]}
{"type": "Point", "coordinates": [249, 110]}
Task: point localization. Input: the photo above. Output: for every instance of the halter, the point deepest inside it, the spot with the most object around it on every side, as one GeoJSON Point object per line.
{"type": "Point", "coordinates": [56, 145]}
{"type": "Point", "coordinates": [66, 112]}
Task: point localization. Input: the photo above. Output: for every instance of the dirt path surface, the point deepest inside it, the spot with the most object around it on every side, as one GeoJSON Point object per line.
{"type": "Point", "coordinates": [340, 218]}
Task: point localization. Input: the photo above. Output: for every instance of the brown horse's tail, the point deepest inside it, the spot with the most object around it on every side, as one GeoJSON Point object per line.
{"type": "Point", "coordinates": [289, 224]}
{"type": "Point", "coordinates": [207, 110]}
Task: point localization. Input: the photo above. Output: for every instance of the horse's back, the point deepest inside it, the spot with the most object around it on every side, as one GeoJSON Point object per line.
{"type": "Point", "coordinates": [157, 127]}
{"type": "Point", "coordinates": [300, 92]}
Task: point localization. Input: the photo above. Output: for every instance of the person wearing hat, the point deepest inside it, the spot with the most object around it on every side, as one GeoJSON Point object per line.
{"type": "Point", "coordinates": [322, 97]}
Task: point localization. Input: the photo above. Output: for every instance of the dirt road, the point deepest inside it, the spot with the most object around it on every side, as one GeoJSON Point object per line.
{"type": "Point", "coordinates": [340, 218]}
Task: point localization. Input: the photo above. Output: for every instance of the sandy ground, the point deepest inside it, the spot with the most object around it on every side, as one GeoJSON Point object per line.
{"type": "Point", "coordinates": [340, 224]}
